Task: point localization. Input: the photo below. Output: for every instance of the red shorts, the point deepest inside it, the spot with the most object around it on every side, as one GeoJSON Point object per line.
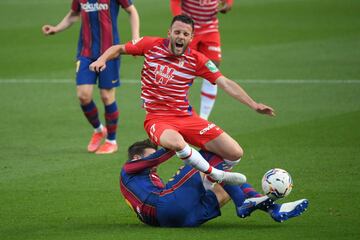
{"type": "Point", "coordinates": [208, 44]}
{"type": "Point", "coordinates": [195, 130]}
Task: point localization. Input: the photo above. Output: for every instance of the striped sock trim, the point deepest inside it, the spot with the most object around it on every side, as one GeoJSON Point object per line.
{"type": "Point", "coordinates": [208, 95]}
{"type": "Point", "coordinates": [209, 170]}
{"type": "Point", "coordinates": [184, 158]}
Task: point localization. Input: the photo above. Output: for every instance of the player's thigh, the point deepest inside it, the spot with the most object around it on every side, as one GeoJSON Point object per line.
{"type": "Point", "coordinates": [172, 212]}
{"type": "Point", "coordinates": [225, 146]}
{"type": "Point", "coordinates": [171, 139]}
{"type": "Point", "coordinates": [182, 194]}
{"type": "Point", "coordinates": [206, 209]}
{"type": "Point", "coordinates": [197, 131]}
{"type": "Point", "coordinates": [110, 78]}
{"type": "Point", "coordinates": [210, 46]}
{"type": "Point", "coordinates": [83, 74]}
{"type": "Point", "coordinates": [156, 126]}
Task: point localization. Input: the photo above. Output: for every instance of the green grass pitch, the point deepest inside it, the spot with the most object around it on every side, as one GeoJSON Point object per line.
{"type": "Point", "coordinates": [300, 56]}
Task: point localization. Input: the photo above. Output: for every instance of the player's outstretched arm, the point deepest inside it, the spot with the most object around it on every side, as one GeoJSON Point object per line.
{"type": "Point", "coordinates": [67, 21]}
{"type": "Point", "coordinates": [237, 92]}
{"type": "Point", "coordinates": [134, 22]}
{"type": "Point", "coordinates": [111, 53]}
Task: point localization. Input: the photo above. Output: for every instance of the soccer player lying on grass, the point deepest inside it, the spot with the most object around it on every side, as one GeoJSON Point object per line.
{"type": "Point", "coordinates": [170, 68]}
{"type": "Point", "coordinates": [190, 198]}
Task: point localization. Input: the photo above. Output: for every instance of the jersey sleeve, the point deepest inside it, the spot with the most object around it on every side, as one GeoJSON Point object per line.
{"type": "Point", "coordinates": [125, 3]}
{"type": "Point", "coordinates": [175, 7]}
{"type": "Point", "coordinates": [140, 46]}
{"type": "Point", "coordinates": [229, 2]}
{"type": "Point", "coordinates": [207, 69]}
{"type": "Point", "coordinates": [153, 160]}
{"type": "Point", "coordinates": [75, 6]}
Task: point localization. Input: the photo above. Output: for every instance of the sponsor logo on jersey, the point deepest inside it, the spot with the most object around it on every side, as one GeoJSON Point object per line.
{"type": "Point", "coordinates": [163, 74]}
{"type": "Point", "coordinates": [208, 128]}
{"type": "Point", "coordinates": [211, 66]}
{"type": "Point", "coordinates": [135, 41]}
{"type": "Point", "coordinates": [94, 7]}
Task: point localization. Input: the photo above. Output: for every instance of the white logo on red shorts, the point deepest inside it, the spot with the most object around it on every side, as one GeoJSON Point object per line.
{"type": "Point", "coordinates": [209, 127]}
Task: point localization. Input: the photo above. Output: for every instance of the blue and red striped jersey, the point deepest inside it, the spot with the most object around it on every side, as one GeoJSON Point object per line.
{"type": "Point", "coordinates": [99, 29]}
{"type": "Point", "coordinates": [141, 186]}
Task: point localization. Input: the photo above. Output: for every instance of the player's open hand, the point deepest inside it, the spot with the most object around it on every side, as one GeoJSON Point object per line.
{"type": "Point", "coordinates": [263, 109]}
{"type": "Point", "coordinates": [97, 66]}
{"type": "Point", "coordinates": [48, 30]}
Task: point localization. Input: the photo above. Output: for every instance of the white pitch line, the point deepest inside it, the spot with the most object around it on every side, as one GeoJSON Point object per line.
{"type": "Point", "coordinates": [248, 81]}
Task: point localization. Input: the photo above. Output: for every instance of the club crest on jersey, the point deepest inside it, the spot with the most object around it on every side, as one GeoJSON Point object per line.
{"type": "Point", "coordinates": [163, 74]}
{"type": "Point", "coordinates": [211, 66]}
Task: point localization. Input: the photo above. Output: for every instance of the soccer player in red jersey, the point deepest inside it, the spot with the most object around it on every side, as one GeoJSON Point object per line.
{"type": "Point", "coordinates": [98, 32]}
{"type": "Point", "coordinates": [206, 38]}
{"type": "Point", "coordinates": [169, 70]}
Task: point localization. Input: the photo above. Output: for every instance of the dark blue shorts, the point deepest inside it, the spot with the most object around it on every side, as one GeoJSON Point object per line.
{"type": "Point", "coordinates": [185, 202]}
{"type": "Point", "coordinates": [109, 78]}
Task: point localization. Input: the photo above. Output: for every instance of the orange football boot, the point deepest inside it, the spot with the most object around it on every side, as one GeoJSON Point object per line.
{"type": "Point", "coordinates": [107, 148]}
{"type": "Point", "coordinates": [96, 139]}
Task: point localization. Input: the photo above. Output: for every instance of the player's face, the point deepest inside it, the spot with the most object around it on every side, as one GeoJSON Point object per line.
{"type": "Point", "coordinates": [180, 35]}
{"type": "Point", "coordinates": [147, 152]}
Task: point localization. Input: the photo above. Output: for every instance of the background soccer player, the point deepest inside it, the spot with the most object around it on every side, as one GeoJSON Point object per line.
{"type": "Point", "coordinates": [170, 68]}
{"type": "Point", "coordinates": [189, 199]}
{"type": "Point", "coordinates": [206, 38]}
{"type": "Point", "coordinates": [98, 32]}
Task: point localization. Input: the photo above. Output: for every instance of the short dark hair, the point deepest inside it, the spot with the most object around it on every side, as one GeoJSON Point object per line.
{"type": "Point", "coordinates": [183, 18]}
{"type": "Point", "coordinates": [139, 147]}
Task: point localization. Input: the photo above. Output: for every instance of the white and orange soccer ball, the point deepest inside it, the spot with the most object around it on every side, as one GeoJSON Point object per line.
{"type": "Point", "coordinates": [277, 183]}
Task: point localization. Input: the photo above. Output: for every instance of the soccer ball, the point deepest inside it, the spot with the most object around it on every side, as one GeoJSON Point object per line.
{"type": "Point", "coordinates": [277, 183]}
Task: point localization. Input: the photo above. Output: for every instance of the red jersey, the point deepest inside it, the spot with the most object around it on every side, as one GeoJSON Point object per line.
{"type": "Point", "coordinates": [166, 78]}
{"type": "Point", "coordinates": [203, 12]}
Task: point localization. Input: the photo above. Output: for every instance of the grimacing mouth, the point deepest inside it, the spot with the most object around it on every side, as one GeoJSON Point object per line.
{"type": "Point", "coordinates": [179, 43]}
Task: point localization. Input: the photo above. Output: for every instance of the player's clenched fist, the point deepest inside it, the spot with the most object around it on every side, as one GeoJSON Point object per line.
{"type": "Point", "coordinates": [97, 66]}
{"type": "Point", "coordinates": [48, 30]}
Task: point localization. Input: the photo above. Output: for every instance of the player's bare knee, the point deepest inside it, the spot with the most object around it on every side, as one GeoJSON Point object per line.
{"type": "Point", "coordinates": [84, 98]}
{"type": "Point", "coordinates": [107, 99]}
{"type": "Point", "coordinates": [172, 140]}
{"type": "Point", "coordinates": [236, 154]}
{"type": "Point", "coordinates": [178, 146]}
